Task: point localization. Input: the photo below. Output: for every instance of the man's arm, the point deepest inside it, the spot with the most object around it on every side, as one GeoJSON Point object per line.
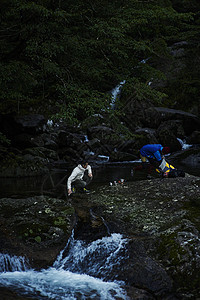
{"type": "Point", "coordinates": [89, 171]}
{"type": "Point", "coordinates": [69, 181]}
{"type": "Point", "coordinates": [158, 156]}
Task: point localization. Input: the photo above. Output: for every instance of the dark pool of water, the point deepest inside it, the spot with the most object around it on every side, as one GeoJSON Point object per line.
{"type": "Point", "coordinates": [103, 174]}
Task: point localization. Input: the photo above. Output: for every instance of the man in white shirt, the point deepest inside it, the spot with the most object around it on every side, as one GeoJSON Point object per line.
{"type": "Point", "coordinates": [80, 177]}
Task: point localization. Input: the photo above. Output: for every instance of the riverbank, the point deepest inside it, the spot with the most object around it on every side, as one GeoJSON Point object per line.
{"type": "Point", "coordinates": [160, 218]}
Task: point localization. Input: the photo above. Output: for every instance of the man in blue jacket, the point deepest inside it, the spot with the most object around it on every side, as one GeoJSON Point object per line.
{"type": "Point", "coordinates": [154, 153]}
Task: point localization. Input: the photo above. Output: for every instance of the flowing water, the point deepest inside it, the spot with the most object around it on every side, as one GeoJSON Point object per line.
{"type": "Point", "coordinates": [81, 271]}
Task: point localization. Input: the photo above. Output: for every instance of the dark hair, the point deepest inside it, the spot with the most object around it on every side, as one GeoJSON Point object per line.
{"type": "Point", "coordinates": [83, 162]}
{"type": "Point", "coordinates": [166, 150]}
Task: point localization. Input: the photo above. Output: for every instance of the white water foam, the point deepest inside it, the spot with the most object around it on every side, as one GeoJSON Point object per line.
{"type": "Point", "coordinates": [183, 144]}
{"type": "Point", "coordinates": [61, 284]}
{"type": "Point", "coordinates": [12, 263]}
{"type": "Point", "coordinates": [66, 280]}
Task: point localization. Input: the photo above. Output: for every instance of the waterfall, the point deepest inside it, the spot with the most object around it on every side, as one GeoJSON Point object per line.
{"type": "Point", "coordinates": [12, 263]}
{"type": "Point", "coordinates": [115, 93]}
{"type": "Point", "coordinates": [183, 144]}
{"type": "Point", "coordinates": [81, 271]}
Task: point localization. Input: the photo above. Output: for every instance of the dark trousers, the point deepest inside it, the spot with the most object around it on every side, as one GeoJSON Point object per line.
{"type": "Point", "coordinates": [81, 183]}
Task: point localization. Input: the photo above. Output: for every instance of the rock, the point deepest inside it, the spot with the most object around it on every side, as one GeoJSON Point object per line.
{"type": "Point", "coordinates": [42, 152]}
{"type": "Point", "coordinates": [25, 140]}
{"type": "Point", "coordinates": [150, 135]}
{"type": "Point", "coordinates": [152, 118]}
{"type": "Point", "coordinates": [37, 227]}
{"type": "Point", "coordinates": [100, 132]}
{"type": "Point", "coordinates": [159, 217]}
{"type": "Point", "coordinates": [32, 124]}
{"type": "Point", "coordinates": [168, 132]}
{"type": "Point", "coordinates": [187, 159]}
{"type": "Point", "coordinates": [190, 122]}
{"type": "Point", "coordinates": [194, 138]}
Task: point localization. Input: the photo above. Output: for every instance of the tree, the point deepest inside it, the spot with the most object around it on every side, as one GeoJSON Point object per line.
{"type": "Point", "coordinates": [65, 56]}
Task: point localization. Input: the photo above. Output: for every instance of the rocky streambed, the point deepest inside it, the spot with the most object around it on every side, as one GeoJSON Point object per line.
{"type": "Point", "coordinates": [159, 217]}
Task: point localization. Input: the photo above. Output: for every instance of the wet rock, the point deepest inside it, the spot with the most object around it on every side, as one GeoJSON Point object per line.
{"type": "Point", "coordinates": [36, 227]}
{"type": "Point", "coordinates": [168, 132]}
{"type": "Point", "coordinates": [187, 158]}
{"type": "Point", "coordinates": [190, 122]}
{"type": "Point", "coordinates": [25, 140]}
{"type": "Point", "coordinates": [161, 216]}
{"type": "Point", "coordinates": [194, 138]}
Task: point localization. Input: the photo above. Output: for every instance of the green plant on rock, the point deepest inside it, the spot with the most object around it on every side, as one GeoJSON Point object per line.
{"type": "Point", "coordinates": [4, 140]}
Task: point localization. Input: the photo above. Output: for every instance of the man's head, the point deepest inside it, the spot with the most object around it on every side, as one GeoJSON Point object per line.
{"type": "Point", "coordinates": [166, 150]}
{"type": "Point", "coordinates": [84, 164]}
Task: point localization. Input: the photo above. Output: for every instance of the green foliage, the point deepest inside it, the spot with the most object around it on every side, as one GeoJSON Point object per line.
{"type": "Point", "coordinates": [3, 139]}
{"type": "Point", "coordinates": [78, 103]}
{"type": "Point", "coordinates": [142, 91]}
{"type": "Point", "coordinates": [73, 52]}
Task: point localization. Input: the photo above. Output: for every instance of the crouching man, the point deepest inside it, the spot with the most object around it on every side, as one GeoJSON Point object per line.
{"type": "Point", "coordinates": [80, 177]}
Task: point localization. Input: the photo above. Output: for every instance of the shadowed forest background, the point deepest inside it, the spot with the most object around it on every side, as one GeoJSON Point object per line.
{"type": "Point", "coordinates": [62, 58]}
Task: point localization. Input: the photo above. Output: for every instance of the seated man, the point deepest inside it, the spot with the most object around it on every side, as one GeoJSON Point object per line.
{"type": "Point", "coordinates": [80, 177]}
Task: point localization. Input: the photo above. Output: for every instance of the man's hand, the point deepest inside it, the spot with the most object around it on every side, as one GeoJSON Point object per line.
{"type": "Point", "coordinates": [90, 175]}
{"type": "Point", "coordinates": [69, 192]}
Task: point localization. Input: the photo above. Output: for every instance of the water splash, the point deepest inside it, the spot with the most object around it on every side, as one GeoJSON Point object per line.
{"type": "Point", "coordinates": [96, 258]}
{"type": "Point", "coordinates": [12, 263]}
{"type": "Point", "coordinates": [73, 276]}
{"type": "Point", "coordinates": [183, 144]}
{"type": "Point", "coordinates": [115, 93]}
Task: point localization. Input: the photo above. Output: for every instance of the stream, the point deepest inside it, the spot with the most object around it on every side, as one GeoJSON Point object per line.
{"type": "Point", "coordinates": [81, 271]}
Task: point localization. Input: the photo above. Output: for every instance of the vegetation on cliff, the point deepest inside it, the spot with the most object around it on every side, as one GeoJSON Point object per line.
{"type": "Point", "coordinates": [64, 56]}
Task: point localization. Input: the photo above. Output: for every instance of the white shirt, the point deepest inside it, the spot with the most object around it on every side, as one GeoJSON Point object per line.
{"type": "Point", "coordinates": [77, 174]}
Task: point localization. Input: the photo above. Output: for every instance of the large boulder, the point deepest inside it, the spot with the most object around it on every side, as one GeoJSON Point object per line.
{"type": "Point", "coordinates": [134, 113]}
{"type": "Point", "coordinates": [30, 124]}
{"type": "Point", "coordinates": [159, 115]}
{"type": "Point", "coordinates": [25, 140]}
{"type": "Point", "coordinates": [158, 218]}
{"type": "Point", "coordinates": [35, 226]}
{"type": "Point", "coordinates": [190, 121]}
{"type": "Point", "coordinates": [194, 138]}
{"type": "Point", "coordinates": [168, 132]}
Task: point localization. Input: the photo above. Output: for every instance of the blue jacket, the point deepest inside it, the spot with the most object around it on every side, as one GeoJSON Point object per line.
{"type": "Point", "coordinates": [152, 151]}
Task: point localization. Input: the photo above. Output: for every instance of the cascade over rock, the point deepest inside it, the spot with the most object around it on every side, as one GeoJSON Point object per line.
{"type": "Point", "coordinates": [49, 145]}
{"type": "Point", "coordinates": [159, 217]}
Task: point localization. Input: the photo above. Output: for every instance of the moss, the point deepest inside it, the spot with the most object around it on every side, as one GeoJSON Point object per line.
{"type": "Point", "coordinates": [60, 221]}
{"type": "Point", "coordinates": [38, 239]}
{"type": "Point", "coordinates": [26, 231]}
{"type": "Point", "coordinates": [68, 211]}
{"type": "Point", "coordinates": [193, 211]}
{"type": "Point", "coordinates": [168, 247]}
